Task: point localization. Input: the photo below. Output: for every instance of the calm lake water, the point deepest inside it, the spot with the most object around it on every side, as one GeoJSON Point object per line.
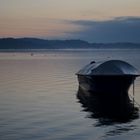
{"type": "Point", "coordinates": [38, 97]}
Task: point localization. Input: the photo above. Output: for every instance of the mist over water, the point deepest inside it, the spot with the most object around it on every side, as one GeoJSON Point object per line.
{"type": "Point", "coordinates": [38, 97]}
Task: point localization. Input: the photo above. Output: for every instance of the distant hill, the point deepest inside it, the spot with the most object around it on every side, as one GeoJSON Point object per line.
{"type": "Point", "coordinates": [35, 43]}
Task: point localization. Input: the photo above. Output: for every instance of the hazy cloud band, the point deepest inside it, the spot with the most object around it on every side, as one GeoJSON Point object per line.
{"type": "Point", "coordinates": [121, 29]}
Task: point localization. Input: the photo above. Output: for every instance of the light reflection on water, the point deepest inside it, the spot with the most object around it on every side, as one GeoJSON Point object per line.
{"type": "Point", "coordinates": [38, 97]}
{"type": "Point", "coordinates": [109, 111]}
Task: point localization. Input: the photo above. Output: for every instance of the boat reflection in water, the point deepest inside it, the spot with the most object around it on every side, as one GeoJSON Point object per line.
{"type": "Point", "coordinates": [108, 109]}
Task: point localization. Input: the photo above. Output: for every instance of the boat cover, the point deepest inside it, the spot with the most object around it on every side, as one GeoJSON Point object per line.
{"type": "Point", "coordinates": [111, 67]}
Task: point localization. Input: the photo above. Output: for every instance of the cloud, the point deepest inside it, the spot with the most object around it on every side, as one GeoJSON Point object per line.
{"type": "Point", "coordinates": [120, 29]}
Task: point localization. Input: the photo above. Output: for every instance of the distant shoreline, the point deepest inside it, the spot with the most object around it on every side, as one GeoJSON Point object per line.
{"type": "Point", "coordinates": [35, 44]}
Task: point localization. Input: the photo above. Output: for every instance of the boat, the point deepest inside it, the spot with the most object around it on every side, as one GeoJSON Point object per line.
{"type": "Point", "coordinates": [112, 77]}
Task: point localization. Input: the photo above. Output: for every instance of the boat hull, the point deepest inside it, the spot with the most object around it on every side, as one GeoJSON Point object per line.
{"type": "Point", "coordinates": [105, 84]}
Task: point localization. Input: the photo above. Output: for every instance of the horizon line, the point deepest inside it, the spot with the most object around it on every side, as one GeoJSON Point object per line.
{"type": "Point", "coordinates": [63, 39]}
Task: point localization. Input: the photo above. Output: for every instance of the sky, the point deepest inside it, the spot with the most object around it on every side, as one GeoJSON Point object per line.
{"type": "Point", "coordinates": [90, 20]}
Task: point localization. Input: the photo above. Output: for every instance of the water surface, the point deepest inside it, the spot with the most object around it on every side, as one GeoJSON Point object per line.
{"type": "Point", "coordinates": [38, 97]}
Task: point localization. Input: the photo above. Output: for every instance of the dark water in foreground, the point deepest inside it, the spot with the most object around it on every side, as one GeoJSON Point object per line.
{"type": "Point", "coordinates": [38, 98]}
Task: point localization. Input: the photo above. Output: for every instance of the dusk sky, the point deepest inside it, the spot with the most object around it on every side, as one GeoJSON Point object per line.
{"type": "Point", "coordinates": [90, 20]}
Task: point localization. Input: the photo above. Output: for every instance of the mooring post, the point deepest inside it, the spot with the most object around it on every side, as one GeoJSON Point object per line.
{"type": "Point", "coordinates": [133, 93]}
